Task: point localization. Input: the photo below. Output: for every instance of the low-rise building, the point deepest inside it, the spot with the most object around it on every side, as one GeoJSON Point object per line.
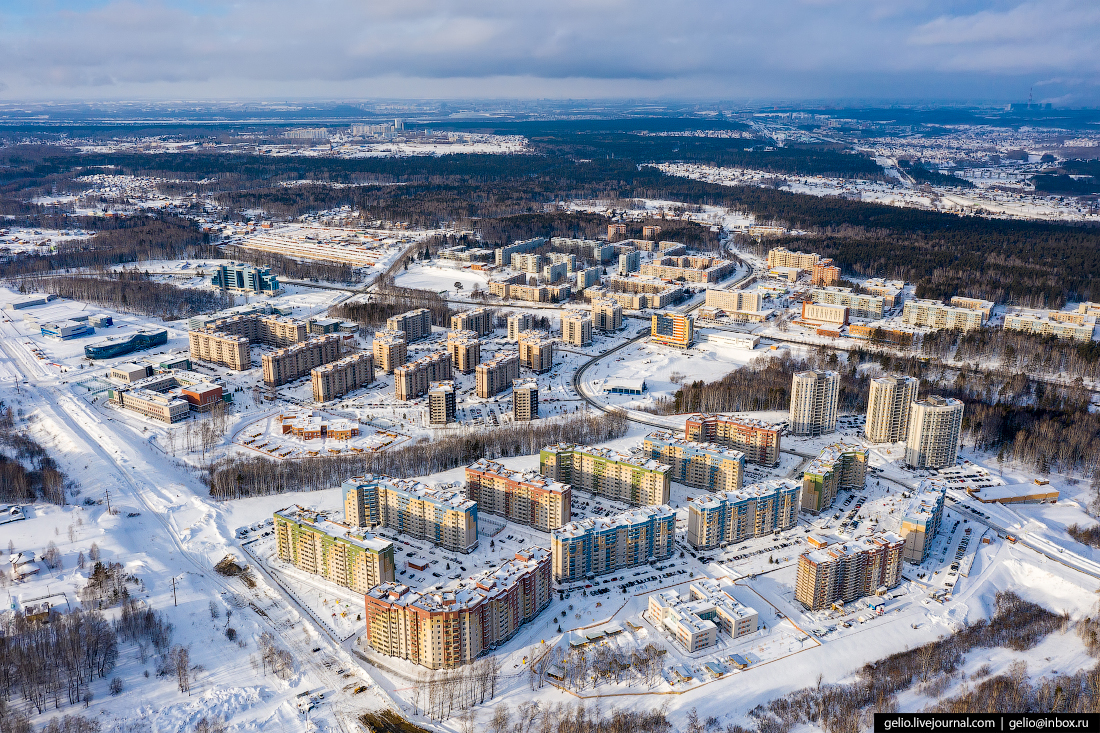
{"type": "Point", "coordinates": [839, 466]}
{"type": "Point", "coordinates": [525, 497]}
{"type": "Point", "coordinates": [843, 572]}
{"type": "Point", "coordinates": [836, 315]}
{"type": "Point", "coordinates": [602, 471]}
{"type": "Point", "coordinates": [348, 557]}
{"type": "Point", "coordinates": [760, 442]}
{"type": "Point", "coordinates": [701, 465]}
{"type": "Point", "coordinates": [497, 374]}
{"type": "Point", "coordinates": [695, 619]}
{"type": "Point", "coordinates": [444, 518]}
{"type": "Point", "coordinates": [716, 520]}
{"type": "Point", "coordinates": [600, 545]}
{"type": "Point", "coordinates": [449, 628]}
{"type": "Point", "coordinates": [156, 405]}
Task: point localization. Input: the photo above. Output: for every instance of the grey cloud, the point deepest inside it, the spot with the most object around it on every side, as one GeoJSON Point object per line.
{"type": "Point", "coordinates": [606, 47]}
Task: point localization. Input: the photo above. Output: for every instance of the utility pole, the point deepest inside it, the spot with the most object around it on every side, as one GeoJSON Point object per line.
{"type": "Point", "coordinates": [108, 500]}
{"type": "Point", "coordinates": [174, 603]}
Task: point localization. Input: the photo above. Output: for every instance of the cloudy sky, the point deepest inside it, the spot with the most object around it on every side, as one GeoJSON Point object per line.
{"type": "Point", "coordinates": [980, 50]}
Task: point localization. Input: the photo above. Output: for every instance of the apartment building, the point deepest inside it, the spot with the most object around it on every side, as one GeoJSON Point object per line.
{"type": "Point", "coordinates": [342, 376]}
{"type": "Point", "coordinates": [607, 315]}
{"type": "Point", "coordinates": [825, 273]}
{"type": "Point", "coordinates": [291, 362]}
{"type": "Point", "coordinates": [413, 380]}
{"type": "Point", "coordinates": [814, 396]}
{"type": "Point", "coordinates": [783, 257]}
{"type": "Point", "coordinates": [844, 572]}
{"type": "Point", "coordinates": [536, 351]}
{"type": "Point", "coordinates": [673, 329]}
{"type": "Point", "coordinates": [688, 268]}
{"type": "Point", "coordinates": [696, 618]}
{"type": "Point", "coordinates": [700, 465]}
{"type": "Point", "coordinates": [390, 350]}
{"type": "Point", "coordinates": [935, 429]}
{"type": "Point", "coordinates": [888, 407]}
{"type": "Point", "coordinates": [600, 545]}
{"type": "Point", "coordinates": [732, 301]}
{"type": "Point", "coordinates": [465, 350]}
{"type": "Point", "coordinates": [446, 629]}
{"type": "Point", "coordinates": [518, 323]}
{"type": "Point", "coordinates": [478, 320]}
{"type": "Point", "coordinates": [524, 497]}
{"type": "Point", "coordinates": [442, 406]}
{"type": "Point", "coordinates": [839, 466]}
{"type": "Point", "coordinates": [445, 518]}
{"type": "Point", "coordinates": [273, 330]}
{"type": "Point", "coordinates": [576, 328]}
{"type": "Point", "coordinates": [921, 521]}
{"type": "Point", "coordinates": [974, 304]}
{"type": "Point", "coordinates": [1049, 325]}
{"type": "Point", "coordinates": [552, 273]}
{"type": "Point", "coordinates": [629, 262]}
{"type": "Point", "coordinates": [240, 278]}
{"type": "Point", "coordinates": [525, 399]}
{"type": "Point", "coordinates": [504, 254]}
{"type": "Point", "coordinates": [220, 348]}
{"type": "Point", "coordinates": [587, 277]}
{"type": "Point", "coordinates": [415, 324]}
{"type": "Point", "coordinates": [530, 293]}
{"type": "Point", "coordinates": [934, 314]}
{"type": "Point", "coordinates": [759, 441]}
{"type": "Point", "coordinates": [527, 262]}
{"type": "Point", "coordinates": [889, 290]}
{"type": "Point", "coordinates": [497, 374]}
{"type": "Point", "coordinates": [602, 471]}
{"type": "Point", "coordinates": [716, 520]}
{"type": "Point", "coordinates": [859, 305]}
{"type": "Point", "coordinates": [340, 554]}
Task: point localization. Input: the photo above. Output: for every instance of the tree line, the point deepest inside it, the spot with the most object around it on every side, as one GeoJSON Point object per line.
{"type": "Point", "coordinates": [131, 291]}
{"type": "Point", "coordinates": [27, 472]}
{"type": "Point", "coordinates": [390, 300]}
{"type": "Point", "coordinates": [237, 477]}
{"type": "Point", "coordinates": [338, 272]}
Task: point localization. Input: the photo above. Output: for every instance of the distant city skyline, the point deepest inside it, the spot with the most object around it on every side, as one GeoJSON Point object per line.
{"type": "Point", "coordinates": [890, 50]}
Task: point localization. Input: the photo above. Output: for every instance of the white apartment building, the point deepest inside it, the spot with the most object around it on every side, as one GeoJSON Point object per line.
{"type": "Point", "coordinates": [888, 407]}
{"type": "Point", "coordinates": [934, 314]}
{"type": "Point", "coordinates": [814, 396]}
{"type": "Point", "coordinates": [935, 429]}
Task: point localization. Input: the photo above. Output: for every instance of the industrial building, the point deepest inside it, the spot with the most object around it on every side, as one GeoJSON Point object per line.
{"type": "Point", "coordinates": [602, 471]}
{"type": "Point", "coordinates": [695, 619]}
{"type": "Point", "coordinates": [390, 350]}
{"type": "Point", "coordinates": [292, 362]}
{"type": "Point", "coordinates": [449, 628]}
{"type": "Point", "coordinates": [415, 324]}
{"type": "Point", "coordinates": [716, 520]}
{"type": "Point", "coordinates": [413, 380]}
{"type": "Point", "coordinates": [814, 396]}
{"type": "Point", "coordinates": [442, 407]}
{"type": "Point", "coordinates": [65, 330]}
{"type": "Point", "coordinates": [342, 376]}
{"type": "Point", "coordinates": [700, 465]}
{"type": "Point", "coordinates": [444, 518]}
{"type": "Point", "coordinates": [525, 399]}
{"type": "Point", "coordinates": [348, 557]}
{"type": "Point", "coordinates": [759, 441]}
{"type": "Point", "coordinates": [843, 572]}
{"type": "Point", "coordinates": [599, 545]}
{"type": "Point", "coordinates": [935, 430]}
{"type": "Point", "coordinates": [525, 497]}
{"type": "Point", "coordinates": [673, 329]}
{"type": "Point", "coordinates": [497, 374]}
{"type": "Point", "coordinates": [888, 408]}
{"type": "Point", "coordinates": [465, 350]}
{"type": "Point", "coordinates": [839, 466]}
